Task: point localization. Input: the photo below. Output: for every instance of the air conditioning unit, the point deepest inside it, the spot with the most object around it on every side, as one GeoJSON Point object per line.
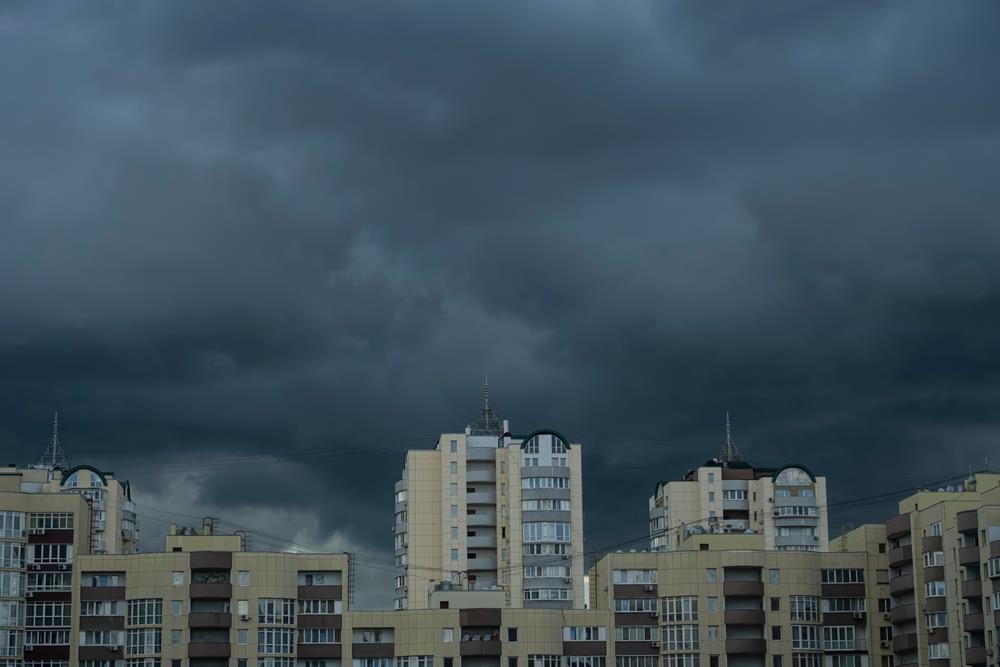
{"type": "Point", "coordinates": [36, 566]}
{"type": "Point", "coordinates": [29, 594]}
{"type": "Point", "coordinates": [244, 617]}
{"type": "Point", "coordinates": [887, 617]}
{"type": "Point", "coordinates": [858, 615]}
{"type": "Point", "coordinates": [114, 648]}
{"type": "Point", "coordinates": [568, 580]}
{"type": "Point", "coordinates": [655, 644]}
{"type": "Point", "coordinates": [654, 614]}
{"type": "Point", "coordinates": [63, 566]}
{"type": "Point", "coordinates": [884, 644]}
{"type": "Point", "coordinates": [565, 557]}
{"type": "Point", "coordinates": [648, 588]}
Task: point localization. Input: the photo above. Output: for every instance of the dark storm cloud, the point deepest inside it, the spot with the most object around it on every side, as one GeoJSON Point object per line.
{"type": "Point", "coordinates": [233, 232]}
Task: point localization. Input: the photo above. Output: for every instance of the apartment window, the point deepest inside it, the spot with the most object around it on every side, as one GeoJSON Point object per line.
{"type": "Point", "coordinates": [935, 589]}
{"type": "Point", "coordinates": [454, 511]}
{"type": "Point", "coordinates": [993, 567]}
{"type": "Point", "coordinates": [712, 603]}
{"type": "Point", "coordinates": [12, 613]}
{"type": "Point", "coordinates": [774, 576]}
{"type": "Point", "coordinates": [317, 607]}
{"type": "Point", "coordinates": [243, 577]}
{"type": "Point", "coordinates": [681, 637]}
{"type": "Point", "coordinates": [938, 651]}
{"type": "Point", "coordinates": [682, 608]}
{"type": "Point", "coordinates": [844, 605]}
{"type": "Point", "coordinates": [102, 579]}
{"type": "Point", "coordinates": [102, 608]}
{"type": "Point", "coordinates": [453, 445]}
{"type": "Point", "coordinates": [884, 605]}
{"type": "Point", "coordinates": [241, 662]}
{"type": "Point", "coordinates": [626, 605]}
{"type": "Point", "coordinates": [584, 634]}
{"type": "Point", "coordinates": [634, 576]}
{"type": "Point", "coordinates": [275, 640]}
{"type": "Point", "coordinates": [885, 633]}
{"type": "Point", "coordinates": [808, 660]}
{"type": "Point", "coordinates": [713, 632]}
{"type": "Point", "coordinates": [241, 636]}
{"type": "Point", "coordinates": [50, 553]}
{"type": "Point", "coordinates": [776, 632]}
{"type": "Point", "coordinates": [805, 637]}
{"type": "Point", "coordinates": [176, 636]}
{"type": "Point", "coordinates": [637, 661]}
{"type": "Point", "coordinates": [545, 483]}
{"type": "Point", "coordinates": [776, 661]}
{"type": "Point", "coordinates": [775, 604]}
{"type": "Point", "coordinates": [544, 660]}
{"type": "Point", "coordinates": [319, 636]}
{"type": "Point", "coordinates": [11, 555]}
{"type": "Point", "coordinates": [47, 615]}
{"type": "Point", "coordinates": [276, 611]}
{"type": "Point", "coordinates": [711, 496]}
{"type": "Point", "coordinates": [454, 555]}
{"type": "Point", "coordinates": [838, 637]}
{"type": "Point", "coordinates": [144, 641]}
{"type": "Point", "coordinates": [681, 660]}
{"type": "Point", "coordinates": [934, 529]}
{"type": "Point", "coordinates": [454, 489]}
{"type": "Point", "coordinates": [844, 576]}
{"type": "Point", "coordinates": [512, 634]}
{"type": "Point", "coordinates": [547, 594]}
{"type": "Point", "coordinates": [711, 478]}
{"type": "Point", "coordinates": [711, 575]}
{"type": "Point", "coordinates": [12, 524]}
{"type": "Point", "coordinates": [177, 578]}
{"type": "Point", "coordinates": [147, 611]}
{"type": "Point", "coordinates": [803, 608]}
{"type": "Point", "coordinates": [447, 635]}
{"type": "Point", "coordinates": [933, 558]}
{"type": "Point", "coordinates": [734, 494]}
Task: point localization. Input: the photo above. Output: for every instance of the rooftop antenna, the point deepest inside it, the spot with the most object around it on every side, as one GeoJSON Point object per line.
{"type": "Point", "coordinates": [729, 453]}
{"type": "Point", "coordinates": [487, 424]}
{"type": "Point", "coordinates": [54, 456]}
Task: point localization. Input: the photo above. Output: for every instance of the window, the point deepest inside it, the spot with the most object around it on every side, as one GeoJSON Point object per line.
{"type": "Point", "coordinates": [935, 589]}
{"type": "Point", "coordinates": [634, 576]}
{"type": "Point", "coordinates": [512, 634]}
{"type": "Point", "coordinates": [102, 638]}
{"type": "Point", "coordinates": [314, 607]}
{"type": "Point", "coordinates": [102, 608]}
{"type": "Point", "coordinates": [176, 636]}
{"type": "Point", "coordinates": [48, 615]}
{"type": "Point", "coordinates": [838, 638]}
{"type": "Point", "coordinates": [545, 483]}
{"type": "Point", "coordinates": [544, 505]}
{"type": "Point", "coordinates": [885, 633]}
{"type": "Point", "coordinates": [796, 510]}
{"type": "Point", "coordinates": [803, 607]}
{"type": "Point", "coordinates": [844, 605]}
{"type": "Point", "coordinates": [147, 611]}
{"type": "Point", "coordinates": [50, 553]}
{"type": "Point", "coordinates": [400, 496]}
{"type": "Point", "coordinates": [46, 637]}
{"type": "Point", "coordinates": [547, 594]}
{"type": "Point", "coordinates": [143, 641]}
{"type": "Point", "coordinates": [938, 651]}
{"type": "Point", "coordinates": [447, 635]}
{"type": "Point", "coordinates": [544, 660]}
{"type": "Point", "coordinates": [241, 636]}
{"type": "Point", "coordinates": [454, 489]}
{"type": "Point", "coordinates": [734, 494]}
{"type": "Point", "coordinates": [454, 511]}
{"type": "Point", "coordinates": [775, 604]}
{"type": "Point", "coordinates": [807, 660]}
{"type": "Point", "coordinates": [776, 661]}
{"type": "Point", "coordinates": [545, 549]}
{"type": "Point", "coordinates": [11, 613]}
{"type": "Point", "coordinates": [12, 555]}
{"type": "Point", "coordinates": [581, 661]}
{"type": "Point", "coordinates": [711, 496]}
{"type": "Point", "coordinates": [933, 558]}
{"type": "Point", "coordinates": [934, 529]}
{"type": "Point", "coordinates": [454, 555]}
{"type": "Point", "coordinates": [275, 640]}
{"type": "Point", "coordinates": [243, 578]}
{"type": "Point", "coordinates": [102, 579]}
{"type": "Point", "coordinates": [844, 576]}
{"type": "Point", "coordinates": [774, 576]}
{"type": "Point", "coordinates": [535, 571]}
{"type": "Point", "coordinates": [12, 584]}
{"type": "Point", "coordinates": [713, 632]}
{"type": "Point", "coordinates": [776, 632]}
{"type": "Point", "coordinates": [415, 661]}
{"type": "Point", "coordinates": [319, 578]}
{"type": "Point", "coordinates": [712, 603]}
{"type": "Point", "coordinates": [805, 637]}
{"type": "Point", "coordinates": [454, 467]}
{"type": "Point", "coordinates": [996, 601]}
{"type": "Point", "coordinates": [176, 607]}
{"type": "Point", "coordinates": [637, 661]}
{"type": "Point", "coordinates": [993, 567]}
{"type": "Point", "coordinates": [711, 575]}
{"type": "Point", "coordinates": [584, 634]}
{"type": "Point", "coordinates": [276, 611]}
{"type": "Point", "coordinates": [177, 578]}
{"type": "Point", "coordinates": [531, 447]}
{"type": "Point", "coordinates": [683, 608]}
{"type": "Point", "coordinates": [681, 660]}
{"type": "Point", "coordinates": [626, 605]}
{"type": "Point", "coordinates": [681, 637]}
{"type": "Point", "coordinates": [884, 605]}
{"type": "Point", "coordinates": [271, 661]}
{"type": "Point", "coordinates": [142, 662]}
{"type": "Point", "coordinates": [711, 478]}
{"type": "Point", "coordinates": [453, 446]}
{"type": "Point", "coordinates": [793, 477]}
{"type": "Point", "coordinates": [50, 521]}
{"type": "Point", "coordinates": [319, 636]}
{"type": "Point", "coordinates": [12, 524]}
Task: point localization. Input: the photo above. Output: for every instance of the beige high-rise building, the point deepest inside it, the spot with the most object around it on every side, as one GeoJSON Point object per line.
{"type": "Point", "coordinates": [944, 568]}
{"type": "Point", "coordinates": [488, 510]}
{"type": "Point", "coordinates": [784, 505]}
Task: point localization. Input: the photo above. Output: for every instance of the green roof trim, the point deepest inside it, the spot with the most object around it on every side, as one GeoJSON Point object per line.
{"type": "Point", "coordinates": [75, 469]}
{"type": "Point", "coordinates": [542, 431]}
{"type": "Point", "coordinates": [777, 471]}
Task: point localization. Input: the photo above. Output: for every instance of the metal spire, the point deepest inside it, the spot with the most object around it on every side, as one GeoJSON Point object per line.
{"type": "Point", "coordinates": [54, 456]}
{"type": "Point", "coordinates": [729, 453]}
{"type": "Point", "coordinates": [487, 424]}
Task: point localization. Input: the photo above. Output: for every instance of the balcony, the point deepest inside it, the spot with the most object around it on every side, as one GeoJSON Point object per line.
{"type": "Point", "coordinates": [481, 542]}
{"type": "Point", "coordinates": [209, 620]}
{"type": "Point", "coordinates": [211, 592]}
{"type": "Point", "coordinates": [904, 643]}
{"type": "Point", "coordinates": [975, 655]}
{"type": "Point", "coordinates": [102, 593]}
{"type": "Point", "coordinates": [481, 454]}
{"type": "Point", "coordinates": [481, 498]}
{"type": "Point", "coordinates": [744, 617]}
{"type": "Point", "coordinates": [481, 647]}
{"type": "Point", "coordinates": [967, 522]}
{"type": "Point", "coordinates": [901, 584]}
{"type": "Point", "coordinates": [318, 651]}
{"type": "Point", "coordinates": [903, 613]}
{"type": "Point", "coordinates": [208, 650]}
{"type": "Point", "coordinates": [846, 645]}
{"type": "Point", "coordinates": [481, 564]}
{"type": "Point", "coordinates": [481, 475]}
{"type": "Point", "coordinates": [897, 526]}
{"type": "Point", "coordinates": [900, 556]}
{"type": "Point", "coordinates": [933, 543]}
{"type": "Point", "coordinates": [968, 555]}
{"type": "Point", "coordinates": [973, 622]}
{"type": "Point", "coordinates": [480, 520]}
{"type": "Point", "coordinates": [746, 646]}
{"type": "Point", "coordinates": [211, 560]}
{"type": "Point", "coordinates": [972, 589]}
{"type": "Point", "coordinates": [743, 588]}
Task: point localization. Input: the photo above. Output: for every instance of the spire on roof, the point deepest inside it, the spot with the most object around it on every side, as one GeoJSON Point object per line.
{"type": "Point", "coordinates": [54, 456]}
{"type": "Point", "coordinates": [729, 453]}
{"type": "Point", "coordinates": [487, 424]}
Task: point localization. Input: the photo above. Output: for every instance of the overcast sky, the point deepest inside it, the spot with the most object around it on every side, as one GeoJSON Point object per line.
{"type": "Point", "coordinates": [251, 252]}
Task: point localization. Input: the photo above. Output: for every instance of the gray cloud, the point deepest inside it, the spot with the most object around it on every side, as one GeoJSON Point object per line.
{"type": "Point", "coordinates": [232, 231]}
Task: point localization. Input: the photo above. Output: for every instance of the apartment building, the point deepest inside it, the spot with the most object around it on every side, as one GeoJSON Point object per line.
{"type": "Point", "coordinates": [487, 509]}
{"type": "Point", "coordinates": [726, 600]}
{"type": "Point", "coordinates": [784, 505]}
{"type": "Point", "coordinates": [944, 568]}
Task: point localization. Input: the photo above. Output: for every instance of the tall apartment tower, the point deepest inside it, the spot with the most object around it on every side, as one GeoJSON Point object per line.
{"type": "Point", "coordinates": [944, 574]}
{"type": "Point", "coordinates": [488, 510]}
{"type": "Point", "coordinates": [786, 505]}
